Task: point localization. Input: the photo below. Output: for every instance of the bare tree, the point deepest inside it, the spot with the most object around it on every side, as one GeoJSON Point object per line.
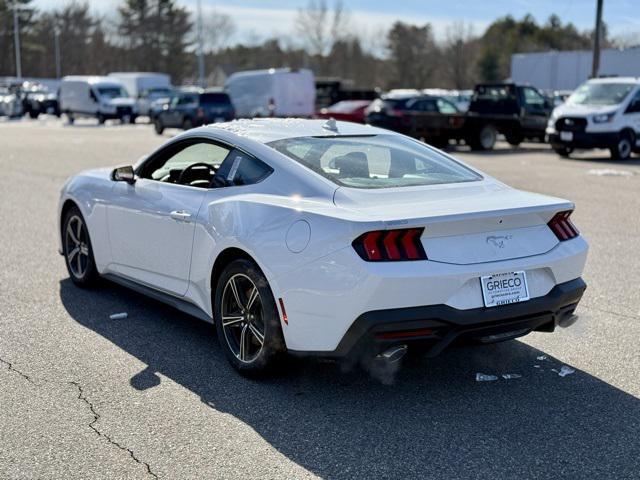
{"type": "Point", "coordinates": [460, 49]}
{"type": "Point", "coordinates": [320, 27]}
{"type": "Point", "coordinates": [218, 28]}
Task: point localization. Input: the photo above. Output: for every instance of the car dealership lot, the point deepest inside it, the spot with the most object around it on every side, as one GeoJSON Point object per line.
{"type": "Point", "coordinates": [152, 395]}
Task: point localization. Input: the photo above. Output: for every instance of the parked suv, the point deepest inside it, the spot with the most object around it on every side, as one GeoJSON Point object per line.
{"type": "Point", "coordinates": [192, 109]}
{"type": "Point", "coordinates": [601, 113]}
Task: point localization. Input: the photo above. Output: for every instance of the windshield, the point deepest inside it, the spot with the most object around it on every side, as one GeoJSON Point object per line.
{"type": "Point", "coordinates": [215, 99]}
{"type": "Point", "coordinates": [596, 93]}
{"type": "Point", "coordinates": [112, 92]}
{"type": "Point", "coordinates": [374, 161]}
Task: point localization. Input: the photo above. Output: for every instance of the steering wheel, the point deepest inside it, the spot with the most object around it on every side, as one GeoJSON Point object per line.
{"type": "Point", "coordinates": [183, 175]}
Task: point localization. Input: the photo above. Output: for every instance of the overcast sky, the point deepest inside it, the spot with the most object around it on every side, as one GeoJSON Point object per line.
{"type": "Point", "coordinates": [259, 19]}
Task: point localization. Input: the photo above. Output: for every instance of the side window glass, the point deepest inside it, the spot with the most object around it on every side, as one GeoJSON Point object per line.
{"type": "Point", "coordinates": [208, 154]}
{"type": "Point", "coordinates": [243, 169]}
{"type": "Point", "coordinates": [533, 98]}
{"type": "Point", "coordinates": [92, 95]}
{"type": "Point", "coordinates": [446, 107]}
{"type": "Point", "coordinates": [634, 104]}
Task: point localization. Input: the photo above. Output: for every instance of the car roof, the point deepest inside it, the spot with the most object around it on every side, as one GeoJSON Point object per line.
{"type": "Point", "coordinates": [635, 80]}
{"type": "Point", "coordinates": [265, 130]}
{"type": "Point", "coordinates": [92, 79]}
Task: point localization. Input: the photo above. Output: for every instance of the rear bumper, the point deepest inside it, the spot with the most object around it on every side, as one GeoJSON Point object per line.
{"type": "Point", "coordinates": [585, 140]}
{"type": "Point", "coordinates": [433, 328]}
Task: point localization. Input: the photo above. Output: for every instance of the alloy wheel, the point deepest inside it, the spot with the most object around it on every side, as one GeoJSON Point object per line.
{"type": "Point", "coordinates": [243, 320]}
{"type": "Point", "coordinates": [77, 246]}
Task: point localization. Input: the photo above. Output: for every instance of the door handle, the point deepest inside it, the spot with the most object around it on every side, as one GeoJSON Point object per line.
{"type": "Point", "coordinates": [181, 215]}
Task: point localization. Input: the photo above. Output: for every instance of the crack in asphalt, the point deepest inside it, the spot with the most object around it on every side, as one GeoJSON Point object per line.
{"type": "Point", "coordinates": [611, 312]}
{"type": "Point", "coordinates": [11, 368]}
{"type": "Point", "coordinates": [96, 416]}
{"type": "Point", "coordinates": [92, 426]}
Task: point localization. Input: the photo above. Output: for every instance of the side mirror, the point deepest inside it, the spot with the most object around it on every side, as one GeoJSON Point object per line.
{"type": "Point", "coordinates": [123, 174]}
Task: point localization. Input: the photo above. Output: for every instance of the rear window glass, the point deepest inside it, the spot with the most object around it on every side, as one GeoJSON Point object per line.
{"type": "Point", "coordinates": [216, 98]}
{"type": "Point", "coordinates": [375, 161]}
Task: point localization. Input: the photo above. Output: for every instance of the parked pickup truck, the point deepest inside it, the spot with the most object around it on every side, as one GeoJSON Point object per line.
{"type": "Point", "coordinates": [516, 111]}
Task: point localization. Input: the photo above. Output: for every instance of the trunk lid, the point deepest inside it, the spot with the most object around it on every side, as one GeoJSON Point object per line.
{"type": "Point", "coordinates": [464, 223]}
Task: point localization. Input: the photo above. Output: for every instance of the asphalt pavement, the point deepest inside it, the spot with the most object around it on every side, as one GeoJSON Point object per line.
{"type": "Point", "coordinates": [84, 396]}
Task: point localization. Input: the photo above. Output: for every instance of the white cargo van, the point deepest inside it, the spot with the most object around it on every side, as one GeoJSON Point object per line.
{"type": "Point", "coordinates": [99, 97]}
{"type": "Point", "coordinates": [600, 113]}
{"type": "Point", "coordinates": [276, 92]}
{"type": "Point", "coordinates": [145, 87]}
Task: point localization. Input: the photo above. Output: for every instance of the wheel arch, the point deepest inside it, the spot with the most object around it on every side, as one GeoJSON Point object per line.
{"type": "Point", "coordinates": [224, 258]}
{"type": "Point", "coordinates": [630, 131]}
{"type": "Point", "coordinates": [66, 206]}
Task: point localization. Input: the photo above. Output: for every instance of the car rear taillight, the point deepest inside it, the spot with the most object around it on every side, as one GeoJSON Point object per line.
{"type": "Point", "coordinates": [562, 226]}
{"type": "Point", "coordinates": [390, 245]}
{"type": "Point", "coordinates": [200, 112]}
{"type": "Point", "coordinates": [394, 112]}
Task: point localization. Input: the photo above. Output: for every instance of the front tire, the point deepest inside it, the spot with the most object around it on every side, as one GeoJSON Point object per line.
{"type": "Point", "coordinates": [247, 320]}
{"type": "Point", "coordinates": [623, 149]}
{"type": "Point", "coordinates": [78, 253]}
{"type": "Point", "coordinates": [514, 138]}
{"type": "Point", "coordinates": [564, 152]}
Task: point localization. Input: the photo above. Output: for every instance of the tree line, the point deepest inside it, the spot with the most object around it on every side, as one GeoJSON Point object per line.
{"type": "Point", "coordinates": [159, 35]}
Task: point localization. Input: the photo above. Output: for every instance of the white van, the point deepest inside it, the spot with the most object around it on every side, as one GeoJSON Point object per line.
{"type": "Point", "coordinates": [99, 97]}
{"type": "Point", "coordinates": [145, 87]}
{"type": "Point", "coordinates": [277, 92]}
{"type": "Point", "coordinates": [600, 113]}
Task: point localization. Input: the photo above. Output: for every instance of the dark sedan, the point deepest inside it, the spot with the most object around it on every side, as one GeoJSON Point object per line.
{"type": "Point", "coordinates": [192, 109]}
{"type": "Point", "coordinates": [433, 119]}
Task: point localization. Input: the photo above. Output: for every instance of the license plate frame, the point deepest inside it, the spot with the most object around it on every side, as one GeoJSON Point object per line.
{"type": "Point", "coordinates": [504, 289]}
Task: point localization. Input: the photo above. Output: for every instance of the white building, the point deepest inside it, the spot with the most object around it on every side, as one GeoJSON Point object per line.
{"type": "Point", "coordinates": [566, 70]}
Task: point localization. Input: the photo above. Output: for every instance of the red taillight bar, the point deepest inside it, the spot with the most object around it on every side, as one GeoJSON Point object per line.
{"type": "Point", "coordinates": [390, 245]}
{"type": "Point", "coordinates": [562, 226]}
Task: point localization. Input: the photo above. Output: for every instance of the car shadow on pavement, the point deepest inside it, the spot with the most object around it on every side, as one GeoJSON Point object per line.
{"type": "Point", "coordinates": [433, 421]}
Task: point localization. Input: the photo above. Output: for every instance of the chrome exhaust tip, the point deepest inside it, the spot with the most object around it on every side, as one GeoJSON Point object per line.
{"type": "Point", "coordinates": [393, 354]}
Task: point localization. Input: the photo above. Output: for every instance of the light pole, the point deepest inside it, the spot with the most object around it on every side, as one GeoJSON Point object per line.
{"type": "Point", "coordinates": [56, 46]}
{"type": "Point", "coordinates": [200, 47]}
{"type": "Point", "coordinates": [595, 64]}
{"type": "Point", "coordinates": [16, 38]}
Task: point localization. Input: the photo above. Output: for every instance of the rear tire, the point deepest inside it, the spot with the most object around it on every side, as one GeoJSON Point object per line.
{"type": "Point", "coordinates": [101, 119]}
{"type": "Point", "coordinates": [34, 114]}
{"type": "Point", "coordinates": [158, 126]}
{"type": "Point", "coordinates": [564, 152]}
{"type": "Point", "coordinates": [70, 118]}
{"type": "Point", "coordinates": [247, 319]}
{"type": "Point", "coordinates": [484, 139]}
{"type": "Point", "coordinates": [623, 149]}
{"type": "Point", "coordinates": [77, 249]}
{"type": "Point", "coordinates": [187, 124]}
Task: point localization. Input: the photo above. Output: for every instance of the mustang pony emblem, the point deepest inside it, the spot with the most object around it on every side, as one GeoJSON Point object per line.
{"type": "Point", "coordinates": [498, 240]}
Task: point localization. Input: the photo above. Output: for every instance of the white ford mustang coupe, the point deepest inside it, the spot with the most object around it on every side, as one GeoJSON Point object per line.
{"type": "Point", "coordinates": [325, 238]}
